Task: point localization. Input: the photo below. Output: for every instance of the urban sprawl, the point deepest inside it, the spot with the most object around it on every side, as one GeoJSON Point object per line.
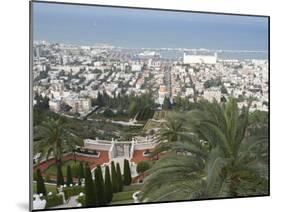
{"type": "Point", "coordinates": [73, 76]}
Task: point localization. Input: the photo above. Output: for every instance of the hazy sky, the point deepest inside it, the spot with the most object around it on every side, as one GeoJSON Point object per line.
{"type": "Point", "coordinates": [147, 28]}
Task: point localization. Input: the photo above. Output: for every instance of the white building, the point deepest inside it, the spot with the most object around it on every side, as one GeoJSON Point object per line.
{"type": "Point", "coordinates": [54, 105]}
{"type": "Point", "coordinates": [210, 95]}
{"type": "Point", "coordinates": [78, 104]}
{"type": "Point", "coordinates": [195, 59]}
{"type": "Point", "coordinates": [136, 67]}
{"type": "Point", "coordinates": [163, 92]}
{"type": "Point", "coordinates": [189, 92]}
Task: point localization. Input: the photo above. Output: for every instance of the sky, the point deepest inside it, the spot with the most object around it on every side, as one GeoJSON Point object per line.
{"type": "Point", "coordinates": [139, 28]}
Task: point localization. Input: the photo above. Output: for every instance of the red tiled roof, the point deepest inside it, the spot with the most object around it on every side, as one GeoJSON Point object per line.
{"type": "Point", "coordinates": [93, 162]}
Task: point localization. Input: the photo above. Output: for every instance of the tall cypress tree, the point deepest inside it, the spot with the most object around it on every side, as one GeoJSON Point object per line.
{"type": "Point", "coordinates": [166, 104]}
{"type": "Point", "coordinates": [99, 186]}
{"type": "Point", "coordinates": [80, 173]}
{"type": "Point", "coordinates": [69, 179]}
{"type": "Point", "coordinates": [108, 186]}
{"type": "Point", "coordinates": [127, 173]}
{"type": "Point", "coordinates": [90, 188]}
{"type": "Point", "coordinates": [114, 179]}
{"type": "Point", "coordinates": [60, 179]}
{"type": "Point", "coordinates": [119, 178]}
{"type": "Point", "coordinates": [41, 189]}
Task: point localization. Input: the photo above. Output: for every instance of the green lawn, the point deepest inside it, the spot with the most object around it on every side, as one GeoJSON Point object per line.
{"type": "Point", "coordinates": [125, 196]}
{"type": "Point", "coordinates": [50, 188]}
{"type": "Point", "coordinates": [132, 187]}
{"type": "Point", "coordinates": [122, 197]}
{"type": "Point", "coordinates": [129, 201]}
{"type": "Point", "coordinates": [52, 169]}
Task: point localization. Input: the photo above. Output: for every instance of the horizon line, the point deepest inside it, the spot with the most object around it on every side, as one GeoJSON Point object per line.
{"type": "Point", "coordinates": [159, 48]}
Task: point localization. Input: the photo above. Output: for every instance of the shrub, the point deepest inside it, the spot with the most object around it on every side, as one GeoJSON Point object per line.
{"type": "Point", "coordinates": [69, 179]}
{"type": "Point", "coordinates": [81, 200]}
{"type": "Point", "coordinates": [114, 179]}
{"type": "Point", "coordinates": [80, 173]}
{"type": "Point", "coordinates": [40, 183]}
{"type": "Point", "coordinates": [127, 173]}
{"type": "Point", "coordinates": [99, 186]}
{"type": "Point", "coordinates": [142, 167]}
{"type": "Point", "coordinates": [47, 178]}
{"type": "Point", "coordinates": [121, 196]}
{"type": "Point", "coordinates": [54, 200]}
{"type": "Point", "coordinates": [72, 191]}
{"type": "Point", "coordinates": [90, 188]}
{"type": "Point", "coordinates": [34, 175]}
{"type": "Point", "coordinates": [108, 113]}
{"type": "Point", "coordinates": [108, 186]}
{"type": "Point", "coordinates": [75, 170]}
{"type": "Point", "coordinates": [119, 178]}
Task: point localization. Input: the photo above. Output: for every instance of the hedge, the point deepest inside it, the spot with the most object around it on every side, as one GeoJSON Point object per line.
{"type": "Point", "coordinates": [41, 188]}
{"type": "Point", "coordinates": [81, 200]}
{"type": "Point", "coordinates": [124, 195]}
{"type": "Point", "coordinates": [54, 200]}
{"type": "Point", "coordinates": [119, 177]}
{"type": "Point", "coordinates": [72, 191]}
{"type": "Point", "coordinates": [69, 179]}
{"type": "Point", "coordinates": [127, 173]}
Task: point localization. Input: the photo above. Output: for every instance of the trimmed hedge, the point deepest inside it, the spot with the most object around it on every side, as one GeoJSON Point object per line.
{"type": "Point", "coordinates": [90, 188]}
{"type": "Point", "coordinates": [121, 196]}
{"type": "Point", "coordinates": [142, 167]}
{"type": "Point", "coordinates": [72, 191]}
{"type": "Point", "coordinates": [53, 200]}
{"type": "Point", "coordinates": [81, 200]}
{"type": "Point", "coordinates": [69, 179]}
{"type": "Point", "coordinates": [127, 173]}
{"type": "Point", "coordinates": [119, 177]}
{"type": "Point", "coordinates": [114, 180]}
{"type": "Point", "coordinates": [108, 186]}
{"type": "Point", "coordinates": [99, 186]}
{"type": "Point", "coordinates": [41, 188]}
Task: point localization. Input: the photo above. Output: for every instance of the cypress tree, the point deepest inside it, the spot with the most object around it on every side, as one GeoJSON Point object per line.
{"type": "Point", "coordinates": [80, 173]}
{"type": "Point", "coordinates": [99, 186]}
{"type": "Point", "coordinates": [41, 189]}
{"type": "Point", "coordinates": [108, 186]}
{"type": "Point", "coordinates": [114, 179]}
{"type": "Point", "coordinates": [166, 104]}
{"type": "Point", "coordinates": [69, 179]}
{"type": "Point", "coordinates": [127, 173]}
{"type": "Point", "coordinates": [119, 178]}
{"type": "Point", "coordinates": [90, 188]}
{"type": "Point", "coordinates": [60, 179]}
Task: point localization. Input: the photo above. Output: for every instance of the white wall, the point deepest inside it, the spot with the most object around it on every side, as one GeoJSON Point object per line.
{"type": "Point", "coordinates": [14, 117]}
{"type": "Point", "coordinates": [191, 59]}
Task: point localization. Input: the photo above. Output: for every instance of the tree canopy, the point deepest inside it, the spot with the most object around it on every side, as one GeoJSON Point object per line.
{"type": "Point", "coordinates": [214, 153]}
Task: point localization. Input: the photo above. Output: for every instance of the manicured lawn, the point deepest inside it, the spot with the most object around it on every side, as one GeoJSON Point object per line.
{"type": "Point", "coordinates": [52, 169]}
{"type": "Point", "coordinates": [132, 187]}
{"type": "Point", "coordinates": [123, 197]}
{"type": "Point", "coordinates": [122, 202]}
{"type": "Point", "coordinates": [126, 196]}
{"type": "Point", "coordinates": [50, 188]}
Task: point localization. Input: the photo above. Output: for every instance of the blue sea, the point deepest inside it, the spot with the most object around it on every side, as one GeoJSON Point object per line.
{"type": "Point", "coordinates": [132, 28]}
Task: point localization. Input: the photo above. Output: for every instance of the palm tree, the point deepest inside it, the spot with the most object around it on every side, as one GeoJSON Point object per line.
{"type": "Point", "coordinates": [215, 157]}
{"type": "Point", "coordinates": [174, 129]}
{"type": "Point", "coordinates": [55, 137]}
